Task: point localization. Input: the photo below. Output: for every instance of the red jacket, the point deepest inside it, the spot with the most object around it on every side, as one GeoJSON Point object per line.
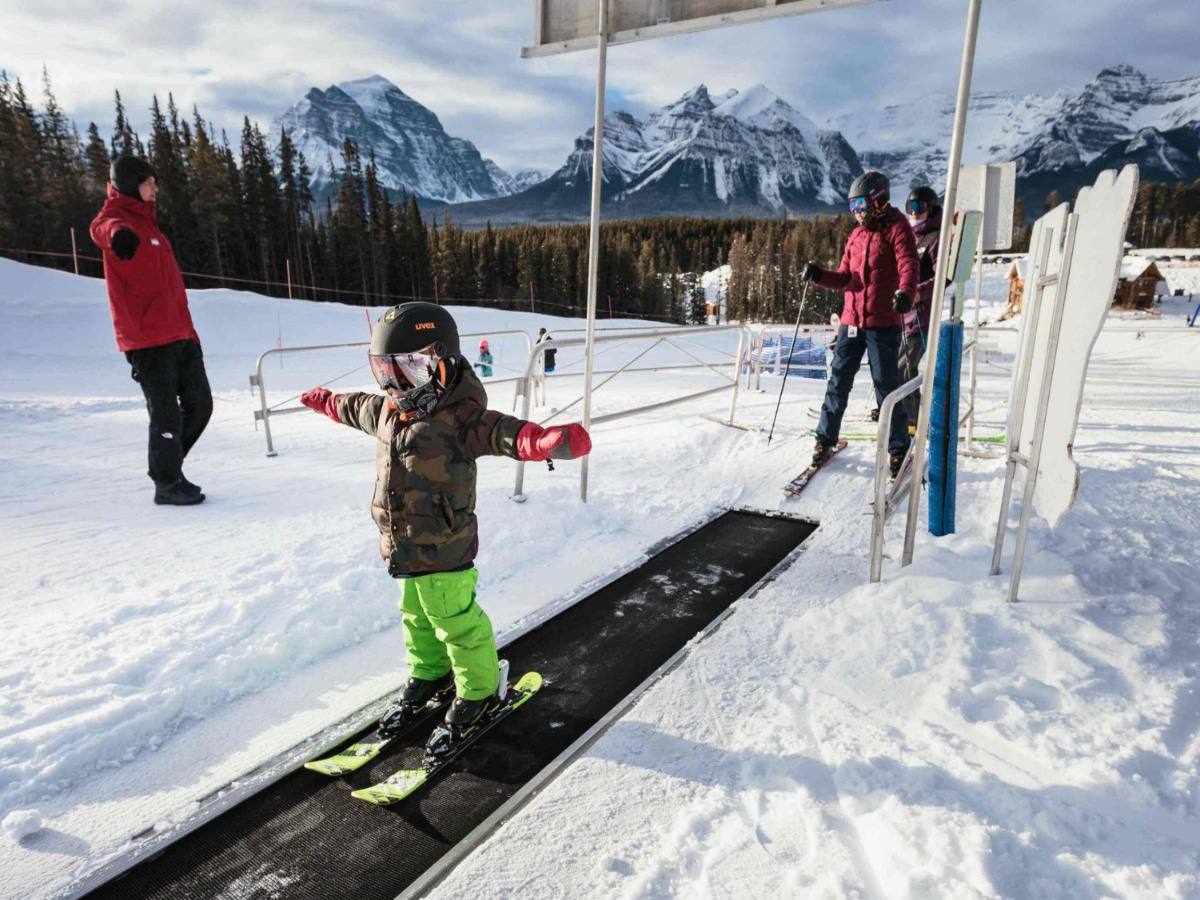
{"type": "Point", "coordinates": [145, 294]}
{"type": "Point", "coordinates": [875, 265]}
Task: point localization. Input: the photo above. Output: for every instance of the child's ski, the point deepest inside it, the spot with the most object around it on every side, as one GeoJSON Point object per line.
{"type": "Point", "coordinates": [797, 484]}
{"type": "Point", "coordinates": [404, 782]}
{"type": "Point", "coordinates": [358, 755]}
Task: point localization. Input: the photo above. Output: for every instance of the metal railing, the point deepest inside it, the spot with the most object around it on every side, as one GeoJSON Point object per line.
{"type": "Point", "coordinates": [886, 500]}
{"type": "Point", "coordinates": [264, 412]}
{"type": "Point", "coordinates": [658, 336]}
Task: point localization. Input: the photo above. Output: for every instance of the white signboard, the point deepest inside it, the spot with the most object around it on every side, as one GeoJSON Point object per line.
{"type": "Point", "coordinates": [1104, 210]}
{"type": "Point", "coordinates": [992, 189]}
{"type": "Point", "coordinates": [561, 26]}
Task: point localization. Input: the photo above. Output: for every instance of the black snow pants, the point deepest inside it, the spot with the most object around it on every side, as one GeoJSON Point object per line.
{"type": "Point", "coordinates": [911, 351]}
{"type": "Point", "coordinates": [178, 400]}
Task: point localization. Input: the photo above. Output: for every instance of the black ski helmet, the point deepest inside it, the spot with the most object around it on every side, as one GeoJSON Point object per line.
{"type": "Point", "coordinates": [410, 327]}
{"type": "Point", "coordinates": [127, 172]}
{"type": "Point", "coordinates": [874, 186]}
{"type": "Point", "coordinates": [926, 195]}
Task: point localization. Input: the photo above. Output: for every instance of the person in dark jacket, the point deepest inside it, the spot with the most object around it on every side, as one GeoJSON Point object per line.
{"type": "Point", "coordinates": [550, 352]}
{"type": "Point", "coordinates": [430, 428]}
{"type": "Point", "coordinates": [153, 325]}
{"type": "Point", "coordinates": [879, 276]}
{"type": "Point", "coordinates": [925, 217]}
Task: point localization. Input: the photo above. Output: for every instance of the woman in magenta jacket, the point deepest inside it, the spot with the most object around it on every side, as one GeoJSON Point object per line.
{"type": "Point", "coordinates": [879, 276]}
{"type": "Point", "coordinates": [153, 325]}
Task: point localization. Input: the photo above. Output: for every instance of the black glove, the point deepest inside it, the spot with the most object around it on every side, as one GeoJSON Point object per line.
{"type": "Point", "coordinates": [125, 244]}
{"type": "Point", "coordinates": [811, 271]}
{"type": "Point", "coordinates": [902, 302]}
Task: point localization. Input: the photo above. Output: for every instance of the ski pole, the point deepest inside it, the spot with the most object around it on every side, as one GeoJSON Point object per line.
{"type": "Point", "coordinates": [791, 352]}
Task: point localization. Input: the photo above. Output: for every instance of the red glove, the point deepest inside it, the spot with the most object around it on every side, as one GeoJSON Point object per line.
{"type": "Point", "coordinates": [538, 444]}
{"type": "Point", "coordinates": [322, 400]}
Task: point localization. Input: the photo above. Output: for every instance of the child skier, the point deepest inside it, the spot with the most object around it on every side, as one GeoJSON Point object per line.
{"type": "Point", "coordinates": [485, 360]}
{"type": "Point", "coordinates": [879, 276]}
{"type": "Point", "coordinates": [430, 428]}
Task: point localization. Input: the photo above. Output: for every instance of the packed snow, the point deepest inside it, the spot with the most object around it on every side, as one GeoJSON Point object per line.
{"type": "Point", "coordinates": [917, 738]}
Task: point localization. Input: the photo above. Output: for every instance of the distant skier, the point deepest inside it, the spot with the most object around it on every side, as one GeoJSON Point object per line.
{"type": "Point", "coordinates": [430, 428]}
{"type": "Point", "coordinates": [485, 360]}
{"type": "Point", "coordinates": [925, 217]}
{"type": "Point", "coordinates": [548, 356]}
{"type": "Point", "coordinates": [153, 325]}
{"type": "Point", "coordinates": [879, 276]}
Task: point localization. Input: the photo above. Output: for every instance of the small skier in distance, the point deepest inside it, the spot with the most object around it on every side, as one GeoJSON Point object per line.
{"type": "Point", "coordinates": [430, 427]}
{"type": "Point", "coordinates": [879, 276]}
{"type": "Point", "coordinates": [485, 360]}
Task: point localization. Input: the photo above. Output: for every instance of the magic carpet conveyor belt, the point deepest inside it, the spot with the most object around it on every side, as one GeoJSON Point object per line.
{"type": "Point", "coordinates": [305, 837]}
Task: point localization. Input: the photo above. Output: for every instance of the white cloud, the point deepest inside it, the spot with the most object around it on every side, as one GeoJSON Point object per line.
{"type": "Point", "coordinates": [460, 58]}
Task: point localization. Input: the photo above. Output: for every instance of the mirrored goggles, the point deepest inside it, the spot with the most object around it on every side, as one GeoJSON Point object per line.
{"type": "Point", "coordinates": [859, 204]}
{"type": "Point", "coordinates": [402, 371]}
{"type": "Point", "coordinates": [916, 207]}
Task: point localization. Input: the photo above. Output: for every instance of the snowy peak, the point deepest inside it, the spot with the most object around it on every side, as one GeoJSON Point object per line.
{"type": "Point", "coordinates": [412, 149]}
{"type": "Point", "coordinates": [752, 152]}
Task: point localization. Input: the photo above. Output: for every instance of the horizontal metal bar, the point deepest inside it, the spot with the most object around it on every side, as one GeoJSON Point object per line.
{"type": "Point", "coordinates": [612, 417]}
{"type": "Point", "coordinates": [1047, 281]}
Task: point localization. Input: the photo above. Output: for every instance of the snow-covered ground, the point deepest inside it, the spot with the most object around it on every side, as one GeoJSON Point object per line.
{"type": "Point", "coordinates": [918, 738]}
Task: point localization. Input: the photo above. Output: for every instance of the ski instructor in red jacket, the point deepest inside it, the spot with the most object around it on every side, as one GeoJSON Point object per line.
{"type": "Point", "coordinates": [153, 326]}
{"type": "Point", "coordinates": [879, 275]}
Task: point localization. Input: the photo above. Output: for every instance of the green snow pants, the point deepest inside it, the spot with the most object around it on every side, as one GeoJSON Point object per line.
{"type": "Point", "coordinates": [444, 629]}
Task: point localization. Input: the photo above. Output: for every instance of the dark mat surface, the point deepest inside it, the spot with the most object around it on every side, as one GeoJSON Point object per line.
{"type": "Point", "coordinates": [306, 837]}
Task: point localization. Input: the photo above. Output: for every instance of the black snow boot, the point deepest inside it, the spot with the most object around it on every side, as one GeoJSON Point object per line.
{"type": "Point", "coordinates": [821, 452]}
{"type": "Point", "coordinates": [412, 700]}
{"type": "Point", "coordinates": [188, 486]}
{"type": "Point", "coordinates": [175, 494]}
{"type": "Point", "coordinates": [874, 415]}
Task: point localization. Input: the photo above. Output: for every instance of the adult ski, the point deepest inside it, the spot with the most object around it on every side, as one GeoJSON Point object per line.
{"type": "Point", "coordinates": [406, 781]}
{"type": "Point", "coordinates": [797, 484]}
{"type": "Point", "coordinates": [358, 755]}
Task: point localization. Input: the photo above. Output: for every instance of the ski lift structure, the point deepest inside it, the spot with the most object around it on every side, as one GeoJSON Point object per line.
{"type": "Point", "coordinates": [565, 26]}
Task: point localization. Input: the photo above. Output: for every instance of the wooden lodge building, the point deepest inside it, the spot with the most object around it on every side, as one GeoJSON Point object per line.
{"type": "Point", "coordinates": [1136, 287]}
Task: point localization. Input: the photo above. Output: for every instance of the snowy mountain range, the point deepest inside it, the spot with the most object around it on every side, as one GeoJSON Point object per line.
{"type": "Point", "coordinates": [412, 149]}
{"type": "Point", "coordinates": [743, 153]}
{"type": "Point", "coordinates": [1058, 141]}
{"type": "Point", "coordinates": [751, 153]}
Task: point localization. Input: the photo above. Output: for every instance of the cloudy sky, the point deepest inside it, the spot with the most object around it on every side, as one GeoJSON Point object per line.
{"type": "Point", "coordinates": [460, 58]}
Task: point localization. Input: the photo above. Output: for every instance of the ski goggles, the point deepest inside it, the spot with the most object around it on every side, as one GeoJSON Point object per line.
{"type": "Point", "coordinates": [402, 371]}
{"type": "Point", "coordinates": [916, 207]}
{"type": "Point", "coordinates": [859, 204]}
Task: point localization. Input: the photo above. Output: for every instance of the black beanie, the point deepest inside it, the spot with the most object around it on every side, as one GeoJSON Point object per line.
{"type": "Point", "coordinates": [127, 172]}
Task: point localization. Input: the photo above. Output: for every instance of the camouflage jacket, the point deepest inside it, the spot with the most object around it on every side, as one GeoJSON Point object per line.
{"type": "Point", "coordinates": [424, 501]}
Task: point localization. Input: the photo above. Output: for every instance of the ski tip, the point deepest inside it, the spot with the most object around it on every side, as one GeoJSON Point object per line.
{"type": "Point", "coordinates": [349, 760]}
{"type": "Point", "coordinates": [529, 682]}
{"type": "Point", "coordinates": [395, 789]}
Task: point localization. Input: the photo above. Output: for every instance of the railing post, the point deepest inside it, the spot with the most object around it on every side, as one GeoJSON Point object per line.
{"type": "Point", "coordinates": [257, 380]}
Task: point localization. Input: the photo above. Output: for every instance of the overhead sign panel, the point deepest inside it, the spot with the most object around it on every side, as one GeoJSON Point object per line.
{"type": "Point", "coordinates": [561, 26]}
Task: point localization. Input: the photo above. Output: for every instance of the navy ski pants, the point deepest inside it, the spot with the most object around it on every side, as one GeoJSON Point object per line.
{"type": "Point", "coordinates": [882, 346]}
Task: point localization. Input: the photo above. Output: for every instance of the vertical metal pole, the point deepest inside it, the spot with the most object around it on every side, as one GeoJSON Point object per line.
{"type": "Point", "coordinates": [530, 384]}
{"type": "Point", "coordinates": [594, 243]}
{"type": "Point", "coordinates": [1012, 440]}
{"type": "Point", "coordinates": [74, 250]}
{"type": "Point", "coordinates": [1039, 427]}
{"type": "Point", "coordinates": [939, 278]}
{"type": "Point", "coordinates": [978, 300]}
{"type": "Point", "coordinates": [737, 372]}
{"type": "Point", "coordinates": [289, 279]}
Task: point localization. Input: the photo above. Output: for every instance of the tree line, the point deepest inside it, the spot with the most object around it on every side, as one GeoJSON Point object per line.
{"type": "Point", "coordinates": [245, 216]}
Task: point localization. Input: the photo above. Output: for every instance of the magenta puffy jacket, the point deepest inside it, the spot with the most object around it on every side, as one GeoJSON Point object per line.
{"type": "Point", "coordinates": [874, 266]}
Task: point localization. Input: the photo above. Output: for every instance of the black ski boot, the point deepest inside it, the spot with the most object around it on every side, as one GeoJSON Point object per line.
{"type": "Point", "coordinates": [411, 703]}
{"type": "Point", "coordinates": [461, 719]}
{"type": "Point", "coordinates": [175, 494]}
{"type": "Point", "coordinates": [873, 415]}
{"type": "Point", "coordinates": [894, 464]}
{"type": "Point", "coordinates": [821, 452]}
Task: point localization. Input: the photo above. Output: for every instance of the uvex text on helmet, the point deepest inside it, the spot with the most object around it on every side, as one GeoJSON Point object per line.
{"type": "Point", "coordinates": [410, 327]}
